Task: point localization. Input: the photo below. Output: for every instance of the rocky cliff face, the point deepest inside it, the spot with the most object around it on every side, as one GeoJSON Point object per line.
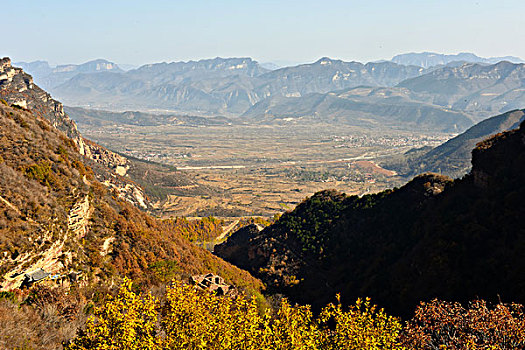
{"type": "Point", "coordinates": [125, 176]}
{"type": "Point", "coordinates": [56, 216]}
{"type": "Point", "coordinates": [17, 88]}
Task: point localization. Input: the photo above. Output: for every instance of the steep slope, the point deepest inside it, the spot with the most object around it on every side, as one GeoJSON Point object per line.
{"type": "Point", "coordinates": [17, 87]}
{"type": "Point", "coordinates": [56, 215]}
{"type": "Point", "coordinates": [116, 171]}
{"type": "Point", "coordinates": [453, 157]}
{"type": "Point", "coordinates": [433, 237]}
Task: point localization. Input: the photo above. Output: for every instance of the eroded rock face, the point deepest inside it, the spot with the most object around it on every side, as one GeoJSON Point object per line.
{"type": "Point", "coordinates": [105, 157]}
{"type": "Point", "coordinates": [17, 88]}
{"type": "Point", "coordinates": [57, 218]}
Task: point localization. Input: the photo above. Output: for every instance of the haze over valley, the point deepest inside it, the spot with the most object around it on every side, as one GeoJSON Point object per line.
{"type": "Point", "coordinates": [262, 175]}
{"type": "Point", "coordinates": [266, 139]}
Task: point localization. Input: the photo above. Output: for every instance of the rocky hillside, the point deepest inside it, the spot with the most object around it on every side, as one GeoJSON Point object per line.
{"type": "Point", "coordinates": [123, 174]}
{"type": "Point", "coordinates": [55, 213]}
{"type": "Point", "coordinates": [18, 88]}
{"type": "Point", "coordinates": [434, 237]}
{"type": "Point", "coordinates": [453, 157]}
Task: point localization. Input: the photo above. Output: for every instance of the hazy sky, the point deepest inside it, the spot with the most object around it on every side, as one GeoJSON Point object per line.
{"type": "Point", "coordinates": [147, 31]}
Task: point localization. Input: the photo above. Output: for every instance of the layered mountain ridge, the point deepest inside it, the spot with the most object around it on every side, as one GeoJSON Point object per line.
{"type": "Point", "coordinates": [220, 85]}
{"type": "Point", "coordinates": [374, 94]}
{"type": "Point", "coordinates": [431, 59]}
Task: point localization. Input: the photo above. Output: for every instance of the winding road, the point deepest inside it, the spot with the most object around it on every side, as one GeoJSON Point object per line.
{"type": "Point", "coordinates": [228, 230]}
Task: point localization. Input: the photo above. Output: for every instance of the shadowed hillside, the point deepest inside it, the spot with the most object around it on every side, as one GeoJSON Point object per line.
{"type": "Point", "coordinates": [434, 237]}
{"type": "Point", "coordinates": [453, 157]}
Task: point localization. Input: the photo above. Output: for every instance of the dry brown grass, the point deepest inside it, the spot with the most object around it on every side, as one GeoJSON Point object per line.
{"type": "Point", "coordinates": [35, 327]}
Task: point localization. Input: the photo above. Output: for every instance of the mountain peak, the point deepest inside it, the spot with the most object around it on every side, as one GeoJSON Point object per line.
{"type": "Point", "coordinates": [325, 61]}
{"type": "Point", "coordinates": [90, 66]}
{"type": "Point", "coordinates": [5, 63]}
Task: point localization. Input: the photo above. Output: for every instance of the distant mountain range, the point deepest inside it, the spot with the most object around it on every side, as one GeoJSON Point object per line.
{"type": "Point", "coordinates": [473, 87]}
{"type": "Point", "coordinates": [50, 77]}
{"type": "Point", "coordinates": [361, 106]}
{"type": "Point", "coordinates": [91, 117]}
{"type": "Point", "coordinates": [449, 97]}
{"type": "Point", "coordinates": [222, 86]}
{"type": "Point", "coordinates": [431, 59]}
{"type": "Point", "coordinates": [443, 99]}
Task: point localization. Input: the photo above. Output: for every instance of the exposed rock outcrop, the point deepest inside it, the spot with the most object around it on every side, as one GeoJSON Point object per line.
{"type": "Point", "coordinates": [55, 216]}
{"type": "Point", "coordinates": [78, 219]}
{"type": "Point", "coordinates": [17, 88]}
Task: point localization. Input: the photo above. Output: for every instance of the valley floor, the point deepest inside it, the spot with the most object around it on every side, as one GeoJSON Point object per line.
{"type": "Point", "coordinates": [263, 170]}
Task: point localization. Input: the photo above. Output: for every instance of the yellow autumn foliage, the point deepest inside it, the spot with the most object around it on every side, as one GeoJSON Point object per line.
{"type": "Point", "coordinates": [195, 319]}
{"type": "Point", "coordinates": [126, 322]}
